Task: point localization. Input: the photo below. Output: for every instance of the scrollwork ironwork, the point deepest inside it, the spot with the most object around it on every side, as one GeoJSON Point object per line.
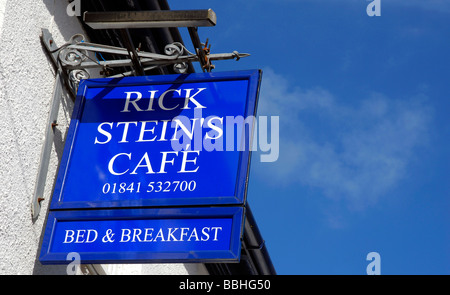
{"type": "Point", "coordinates": [77, 55]}
{"type": "Point", "coordinates": [75, 76]}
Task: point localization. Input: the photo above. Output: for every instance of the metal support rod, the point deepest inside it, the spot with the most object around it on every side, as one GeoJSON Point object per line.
{"type": "Point", "coordinates": [139, 70]}
{"type": "Point", "coordinates": [150, 19]}
{"type": "Point", "coordinates": [41, 178]}
{"type": "Point", "coordinates": [198, 47]}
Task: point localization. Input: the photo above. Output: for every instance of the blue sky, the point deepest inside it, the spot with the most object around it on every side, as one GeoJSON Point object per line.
{"type": "Point", "coordinates": [364, 129]}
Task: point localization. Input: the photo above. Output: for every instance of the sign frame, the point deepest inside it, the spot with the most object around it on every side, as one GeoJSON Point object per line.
{"type": "Point", "coordinates": [232, 254]}
{"type": "Point", "coordinates": [239, 198]}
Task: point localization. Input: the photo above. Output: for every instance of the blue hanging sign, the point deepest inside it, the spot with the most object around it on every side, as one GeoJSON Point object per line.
{"type": "Point", "coordinates": [170, 140]}
{"type": "Point", "coordinates": [143, 235]}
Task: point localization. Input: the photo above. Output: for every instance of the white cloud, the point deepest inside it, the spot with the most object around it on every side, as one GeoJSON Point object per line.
{"type": "Point", "coordinates": [354, 152]}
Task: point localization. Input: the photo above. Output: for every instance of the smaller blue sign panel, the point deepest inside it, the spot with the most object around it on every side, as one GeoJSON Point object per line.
{"type": "Point", "coordinates": [144, 235]}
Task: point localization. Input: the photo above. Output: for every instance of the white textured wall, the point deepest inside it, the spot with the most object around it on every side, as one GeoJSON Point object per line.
{"type": "Point", "coordinates": [26, 86]}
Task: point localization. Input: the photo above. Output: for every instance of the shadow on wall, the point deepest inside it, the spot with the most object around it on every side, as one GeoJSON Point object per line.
{"type": "Point", "coordinates": [62, 22]}
{"type": "Point", "coordinates": [66, 26]}
{"type": "Point", "coordinates": [58, 144]}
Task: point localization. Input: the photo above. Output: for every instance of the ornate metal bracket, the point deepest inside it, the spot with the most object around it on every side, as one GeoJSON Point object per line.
{"type": "Point", "coordinates": [76, 56]}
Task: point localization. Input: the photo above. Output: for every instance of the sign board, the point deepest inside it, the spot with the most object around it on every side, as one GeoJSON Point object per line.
{"type": "Point", "coordinates": [154, 169]}
{"type": "Point", "coordinates": [143, 235]}
{"type": "Point", "coordinates": [170, 140]}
